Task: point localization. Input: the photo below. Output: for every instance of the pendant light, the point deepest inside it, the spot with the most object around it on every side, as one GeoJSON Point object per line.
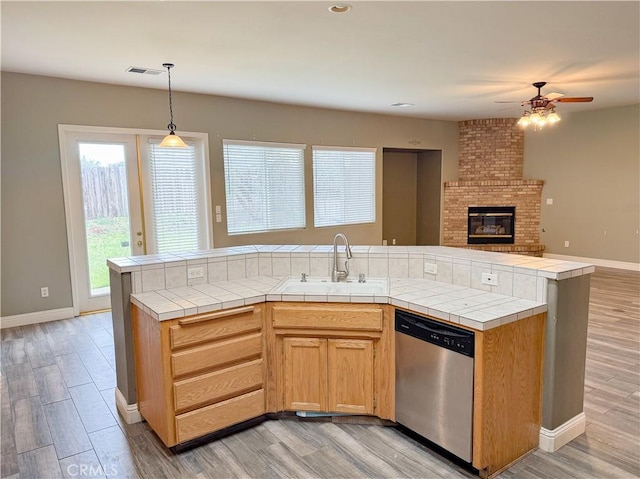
{"type": "Point", "coordinates": [171, 140]}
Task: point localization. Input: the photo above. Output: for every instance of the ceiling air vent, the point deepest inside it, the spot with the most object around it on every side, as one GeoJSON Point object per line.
{"type": "Point", "coordinates": [144, 71]}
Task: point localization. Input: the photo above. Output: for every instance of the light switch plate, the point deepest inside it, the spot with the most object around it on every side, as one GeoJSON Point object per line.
{"type": "Point", "coordinates": [490, 278]}
{"type": "Point", "coordinates": [431, 268]}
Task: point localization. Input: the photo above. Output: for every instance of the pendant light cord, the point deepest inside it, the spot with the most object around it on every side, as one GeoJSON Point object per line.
{"type": "Point", "coordinates": [171, 126]}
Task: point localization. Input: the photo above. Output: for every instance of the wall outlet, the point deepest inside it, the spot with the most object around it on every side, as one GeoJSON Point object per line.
{"type": "Point", "coordinates": [490, 278]}
{"type": "Point", "coordinates": [384, 242]}
{"type": "Point", "coordinates": [44, 292]}
{"type": "Point", "coordinates": [549, 201]}
{"type": "Point", "coordinates": [393, 241]}
{"type": "Point", "coordinates": [566, 244]}
{"type": "Point", "coordinates": [196, 272]}
{"type": "Point", "coordinates": [431, 268]}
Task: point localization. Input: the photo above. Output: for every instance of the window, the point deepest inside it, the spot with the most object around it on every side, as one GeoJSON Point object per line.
{"type": "Point", "coordinates": [264, 185]}
{"type": "Point", "coordinates": [178, 203]}
{"type": "Point", "coordinates": [344, 185]}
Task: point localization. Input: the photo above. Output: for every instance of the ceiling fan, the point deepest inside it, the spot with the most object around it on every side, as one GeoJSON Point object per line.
{"type": "Point", "coordinates": [542, 107]}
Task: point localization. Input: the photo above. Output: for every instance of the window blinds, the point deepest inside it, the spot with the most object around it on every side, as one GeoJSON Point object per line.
{"type": "Point", "coordinates": [176, 198]}
{"type": "Point", "coordinates": [343, 185]}
{"type": "Point", "coordinates": [264, 185]}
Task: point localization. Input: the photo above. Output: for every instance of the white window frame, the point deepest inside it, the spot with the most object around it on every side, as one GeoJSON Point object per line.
{"type": "Point", "coordinates": [345, 200]}
{"type": "Point", "coordinates": [200, 141]}
{"type": "Point", "coordinates": [230, 208]}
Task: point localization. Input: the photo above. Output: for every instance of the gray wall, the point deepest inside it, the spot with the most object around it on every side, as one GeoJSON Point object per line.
{"type": "Point", "coordinates": [590, 163]}
{"type": "Point", "coordinates": [34, 240]}
{"type": "Point", "coordinates": [429, 198]}
{"type": "Point", "coordinates": [399, 197]}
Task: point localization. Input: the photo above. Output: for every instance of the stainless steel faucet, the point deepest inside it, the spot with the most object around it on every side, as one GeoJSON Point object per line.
{"type": "Point", "coordinates": [337, 274]}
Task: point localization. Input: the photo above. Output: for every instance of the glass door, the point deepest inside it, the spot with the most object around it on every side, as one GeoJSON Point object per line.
{"type": "Point", "coordinates": [105, 211]}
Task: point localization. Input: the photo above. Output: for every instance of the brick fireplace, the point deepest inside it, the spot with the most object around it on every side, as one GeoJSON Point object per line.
{"type": "Point", "coordinates": [491, 155]}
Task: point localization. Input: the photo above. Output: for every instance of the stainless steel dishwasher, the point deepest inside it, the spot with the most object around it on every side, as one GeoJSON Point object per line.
{"type": "Point", "coordinates": [434, 382]}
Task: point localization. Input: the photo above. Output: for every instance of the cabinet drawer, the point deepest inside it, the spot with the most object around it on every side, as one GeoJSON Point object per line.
{"type": "Point", "coordinates": [218, 385]}
{"type": "Point", "coordinates": [352, 317]}
{"type": "Point", "coordinates": [220, 415]}
{"type": "Point", "coordinates": [218, 325]}
{"type": "Point", "coordinates": [216, 354]}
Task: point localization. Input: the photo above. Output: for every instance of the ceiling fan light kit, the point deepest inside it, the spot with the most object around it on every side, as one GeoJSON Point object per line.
{"type": "Point", "coordinates": [542, 109]}
{"type": "Point", "coordinates": [538, 118]}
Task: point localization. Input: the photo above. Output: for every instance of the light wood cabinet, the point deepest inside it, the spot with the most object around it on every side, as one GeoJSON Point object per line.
{"type": "Point", "coordinates": [330, 375]}
{"type": "Point", "coordinates": [326, 358]}
{"type": "Point", "coordinates": [350, 366]}
{"type": "Point", "coordinates": [204, 373]}
{"type": "Point", "coordinates": [507, 406]}
{"type": "Point", "coordinates": [199, 374]}
{"type": "Point", "coordinates": [305, 374]}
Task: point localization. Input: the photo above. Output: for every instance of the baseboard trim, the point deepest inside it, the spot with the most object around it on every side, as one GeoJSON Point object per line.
{"type": "Point", "coordinates": [552, 440]}
{"type": "Point", "coordinates": [129, 412]}
{"type": "Point", "coordinates": [605, 263]}
{"type": "Point", "coordinates": [36, 317]}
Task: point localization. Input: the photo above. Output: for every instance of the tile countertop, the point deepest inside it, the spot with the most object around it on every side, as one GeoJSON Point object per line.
{"type": "Point", "coordinates": [542, 267]}
{"type": "Point", "coordinates": [474, 308]}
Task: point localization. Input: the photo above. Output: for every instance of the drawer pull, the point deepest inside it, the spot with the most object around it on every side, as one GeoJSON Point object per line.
{"type": "Point", "coordinates": [209, 316]}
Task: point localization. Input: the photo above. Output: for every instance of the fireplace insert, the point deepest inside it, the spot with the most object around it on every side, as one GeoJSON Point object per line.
{"type": "Point", "coordinates": [491, 224]}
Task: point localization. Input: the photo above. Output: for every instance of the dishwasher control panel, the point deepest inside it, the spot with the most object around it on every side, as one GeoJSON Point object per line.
{"type": "Point", "coordinates": [444, 335]}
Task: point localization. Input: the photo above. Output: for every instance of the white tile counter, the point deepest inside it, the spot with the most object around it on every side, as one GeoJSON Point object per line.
{"type": "Point", "coordinates": [246, 274]}
{"type": "Point", "coordinates": [470, 307]}
{"type": "Point", "coordinates": [442, 282]}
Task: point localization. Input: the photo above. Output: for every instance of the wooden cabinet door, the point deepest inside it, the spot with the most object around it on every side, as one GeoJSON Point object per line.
{"type": "Point", "coordinates": [305, 374]}
{"type": "Point", "coordinates": [350, 370]}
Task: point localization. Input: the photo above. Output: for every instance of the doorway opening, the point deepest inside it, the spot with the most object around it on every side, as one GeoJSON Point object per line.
{"type": "Point", "coordinates": [411, 196]}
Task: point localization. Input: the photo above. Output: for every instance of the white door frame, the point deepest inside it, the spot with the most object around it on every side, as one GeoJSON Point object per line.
{"type": "Point", "coordinates": [64, 132]}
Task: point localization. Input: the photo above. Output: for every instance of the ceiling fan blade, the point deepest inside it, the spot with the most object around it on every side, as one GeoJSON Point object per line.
{"type": "Point", "coordinates": [513, 101]}
{"type": "Point", "coordinates": [575, 99]}
{"type": "Point", "coordinates": [554, 96]}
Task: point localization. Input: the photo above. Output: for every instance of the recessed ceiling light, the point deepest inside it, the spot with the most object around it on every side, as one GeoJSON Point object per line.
{"type": "Point", "coordinates": [340, 8]}
{"type": "Point", "coordinates": [401, 104]}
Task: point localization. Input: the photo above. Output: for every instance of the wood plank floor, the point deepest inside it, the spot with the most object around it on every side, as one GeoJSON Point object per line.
{"type": "Point", "coordinates": [58, 415]}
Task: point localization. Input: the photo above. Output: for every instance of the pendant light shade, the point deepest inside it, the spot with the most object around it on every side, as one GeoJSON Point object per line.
{"type": "Point", "coordinates": [171, 140]}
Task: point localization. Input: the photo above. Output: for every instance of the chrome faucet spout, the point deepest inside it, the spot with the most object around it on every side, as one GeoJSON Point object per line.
{"type": "Point", "coordinates": [336, 273]}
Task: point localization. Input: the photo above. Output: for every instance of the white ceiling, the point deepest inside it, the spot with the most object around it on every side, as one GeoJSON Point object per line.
{"type": "Point", "coordinates": [453, 60]}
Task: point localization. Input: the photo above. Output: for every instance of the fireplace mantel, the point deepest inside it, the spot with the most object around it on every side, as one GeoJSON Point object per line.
{"type": "Point", "coordinates": [457, 184]}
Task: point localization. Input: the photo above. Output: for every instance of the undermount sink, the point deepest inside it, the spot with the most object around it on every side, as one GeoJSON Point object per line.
{"type": "Point", "coordinates": [321, 285]}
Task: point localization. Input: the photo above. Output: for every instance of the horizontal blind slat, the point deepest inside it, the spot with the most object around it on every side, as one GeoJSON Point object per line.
{"type": "Point", "coordinates": [176, 203]}
{"type": "Point", "coordinates": [344, 185]}
{"type": "Point", "coordinates": [264, 186]}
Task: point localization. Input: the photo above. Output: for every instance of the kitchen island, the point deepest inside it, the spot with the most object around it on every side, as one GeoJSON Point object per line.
{"type": "Point", "coordinates": [164, 289]}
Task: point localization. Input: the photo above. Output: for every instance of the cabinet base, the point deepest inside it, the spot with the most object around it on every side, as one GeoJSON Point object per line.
{"type": "Point", "coordinates": [214, 436]}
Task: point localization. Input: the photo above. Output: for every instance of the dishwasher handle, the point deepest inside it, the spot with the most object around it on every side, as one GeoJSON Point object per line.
{"type": "Point", "coordinates": [434, 332]}
{"type": "Point", "coordinates": [437, 330]}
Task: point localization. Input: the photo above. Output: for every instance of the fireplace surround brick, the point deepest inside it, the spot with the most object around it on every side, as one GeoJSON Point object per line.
{"type": "Point", "coordinates": [491, 157]}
